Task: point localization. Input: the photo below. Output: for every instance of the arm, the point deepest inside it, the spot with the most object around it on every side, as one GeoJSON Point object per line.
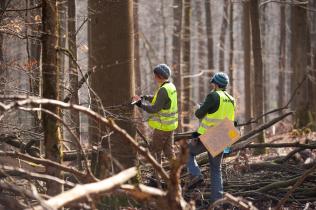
{"type": "Point", "coordinates": [161, 100]}
{"type": "Point", "coordinates": [210, 105]}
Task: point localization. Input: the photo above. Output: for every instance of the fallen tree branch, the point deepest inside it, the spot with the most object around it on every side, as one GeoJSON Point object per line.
{"type": "Point", "coordinates": [82, 176]}
{"type": "Point", "coordinates": [27, 101]}
{"type": "Point", "coordinates": [81, 191]}
{"type": "Point", "coordinates": [241, 145]}
{"type": "Point", "coordinates": [295, 186]}
{"type": "Point", "coordinates": [6, 171]}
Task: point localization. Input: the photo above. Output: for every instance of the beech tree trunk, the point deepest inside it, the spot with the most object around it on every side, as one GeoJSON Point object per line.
{"type": "Point", "coordinates": [222, 38]}
{"type": "Point", "coordinates": [246, 34]}
{"type": "Point", "coordinates": [111, 54]}
{"type": "Point", "coordinates": [176, 52]}
{"type": "Point", "coordinates": [282, 61]}
{"type": "Point", "coordinates": [50, 73]}
{"type": "Point", "coordinates": [299, 57]}
{"type": "Point", "coordinates": [258, 68]}
{"type": "Point", "coordinates": [185, 46]}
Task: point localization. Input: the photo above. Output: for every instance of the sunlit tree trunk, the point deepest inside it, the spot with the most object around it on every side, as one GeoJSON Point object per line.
{"type": "Point", "coordinates": [246, 34]}
{"type": "Point", "coordinates": [176, 51]}
{"type": "Point", "coordinates": [186, 65]}
{"type": "Point", "coordinates": [258, 68]}
{"type": "Point", "coordinates": [222, 38]}
{"type": "Point", "coordinates": [111, 54]}
{"type": "Point", "coordinates": [73, 76]}
{"type": "Point", "coordinates": [50, 73]}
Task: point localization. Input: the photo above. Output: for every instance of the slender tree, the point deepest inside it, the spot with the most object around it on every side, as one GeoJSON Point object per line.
{"type": "Point", "coordinates": [246, 34]}
{"type": "Point", "coordinates": [299, 59]}
{"type": "Point", "coordinates": [50, 74]}
{"type": "Point", "coordinates": [258, 67]}
{"type": "Point", "coordinates": [186, 51]}
{"type": "Point", "coordinates": [222, 36]}
{"type": "Point", "coordinates": [176, 50]}
{"type": "Point", "coordinates": [111, 54]}
{"type": "Point", "coordinates": [73, 73]}
{"type": "Point", "coordinates": [282, 61]}
{"type": "Point", "coordinates": [209, 34]}
{"type": "Point", "coordinates": [201, 51]}
{"type": "Point", "coordinates": [231, 47]}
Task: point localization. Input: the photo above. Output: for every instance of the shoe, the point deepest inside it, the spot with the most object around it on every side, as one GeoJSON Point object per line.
{"type": "Point", "coordinates": [195, 181]}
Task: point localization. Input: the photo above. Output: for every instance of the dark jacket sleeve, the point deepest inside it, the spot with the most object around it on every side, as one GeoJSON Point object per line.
{"type": "Point", "coordinates": [161, 101]}
{"type": "Point", "coordinates": [210, 105]}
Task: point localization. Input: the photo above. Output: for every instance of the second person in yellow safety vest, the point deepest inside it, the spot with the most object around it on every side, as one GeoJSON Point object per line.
{"type": "Point", "coordinates": [163, 110]}
{"type": "Point", "coordinates": [217, 106]}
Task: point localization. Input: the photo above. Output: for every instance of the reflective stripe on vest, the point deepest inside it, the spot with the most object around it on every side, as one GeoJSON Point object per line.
{"type": "Point", "coordinates": [166, 119]}
{"type": "Point", "coordinates": [225, 109]}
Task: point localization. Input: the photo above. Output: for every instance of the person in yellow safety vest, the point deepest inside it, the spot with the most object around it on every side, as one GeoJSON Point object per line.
{"type": "Point", "coordinates": [163, 110]}
{"type": "Point", "coordinates": [217, 106]}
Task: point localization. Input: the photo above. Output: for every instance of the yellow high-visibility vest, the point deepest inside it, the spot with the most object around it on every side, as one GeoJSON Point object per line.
{"type": "Point", "coordinates": [226, 109]}
{"type": "Point", "coordinates": [166, 119]}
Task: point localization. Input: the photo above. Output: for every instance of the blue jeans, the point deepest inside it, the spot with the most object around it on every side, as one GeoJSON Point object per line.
{"type": "Point", "coordinates": [195, 148]}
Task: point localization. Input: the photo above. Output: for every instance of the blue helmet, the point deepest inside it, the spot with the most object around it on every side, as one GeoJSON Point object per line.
{"type": "Point", "coordinates": [221, 79]}
{"type": "Point", "coordinates": [162, 70]}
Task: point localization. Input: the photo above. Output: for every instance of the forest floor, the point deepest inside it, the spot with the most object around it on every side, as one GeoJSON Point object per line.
{"type": "Point", "coordinates": [261, 179]}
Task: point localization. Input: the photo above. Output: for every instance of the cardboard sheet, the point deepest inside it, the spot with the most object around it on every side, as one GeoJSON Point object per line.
{"type": "Point", "coordinates": [216, 138]}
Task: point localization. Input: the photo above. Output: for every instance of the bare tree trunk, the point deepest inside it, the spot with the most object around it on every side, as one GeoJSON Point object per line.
{"type": "Point", "coordinates": [258, 67]}
{"type": "Point", "coordinates": [222, 37]}
{"type": "Point", "coordinates": [138, 74]}
{"type": "Point", "coordinates": [209, 34]}
{"type": "Point", "coordinates": [176, 51]}
{"type": "Point", "coordinates": [73, 74]}
{"type": "Point", "coordinates": [282, 61]}
{"type": "Point", "coordinates": [246, 33]}
{"type": "Point", "coordinates": [2, 65]}
{"type": "Point", "coordinates": [231, 50]}
{"type": "Point", "coordinates": [164, 30]}
{"type": "Point", "coordinates": [201, 52]}
{"type": "Point", "coordinates": [185, 46]}
{"type": "Point", "coordinates": [111, 54]}
{"type": "Point", "coordinates": [53, 146]}
{"type": "Point", "coordinates": [299, 56]}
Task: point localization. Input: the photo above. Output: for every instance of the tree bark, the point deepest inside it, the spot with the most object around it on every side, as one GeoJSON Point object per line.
{"type": "Point", "coordinates": [231, 48]}
{"type": "Point", "coordinates": [246, 34]}
{"type": "Point", "coordinates": [282, 61]}
{"type": "Point", "coordinates": [185, 46]}
{"type": "Point", "coordinates": [209, 34]}
{"type": "Point", "coordinates": [221, 59]}
{"type": "Point", "coordinates": [111, 54]}
{"type": "Point", "coordinates": [258, 67]}
{"type": "Point", "coordinates": [299, 57]}
{"type": "Point", "coordinates": [176, 51]}
{"type": "Point", "coordinates": [73, 74]}
{"type": "Point", "coordinates": [50, 73]}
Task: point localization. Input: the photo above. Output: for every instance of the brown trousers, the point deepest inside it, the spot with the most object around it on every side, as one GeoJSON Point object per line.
{"type": "Point", "coordinates": [162, 141]}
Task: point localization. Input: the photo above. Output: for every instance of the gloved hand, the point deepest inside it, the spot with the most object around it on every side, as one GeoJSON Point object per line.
{"type": "Point", "coordinates": [139, 103]}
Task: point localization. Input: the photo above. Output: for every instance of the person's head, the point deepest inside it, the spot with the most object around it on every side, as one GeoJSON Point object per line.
{"type": "Point", "coordinates": [162, 73]}
{"type": "Point", "coordinates": [220, 80]}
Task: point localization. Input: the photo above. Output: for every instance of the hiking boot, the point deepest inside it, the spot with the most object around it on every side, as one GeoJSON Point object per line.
{"type": "Point", "coordinates": [194, 182]}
